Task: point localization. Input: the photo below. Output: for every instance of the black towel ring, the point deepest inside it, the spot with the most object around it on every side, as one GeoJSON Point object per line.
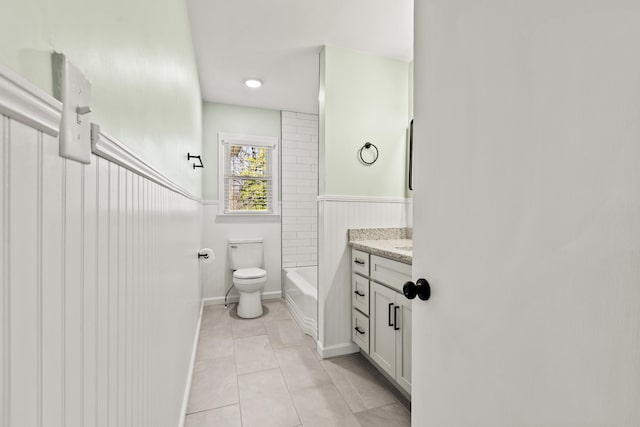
{"type": "Point", "coordinates": [368, 145]}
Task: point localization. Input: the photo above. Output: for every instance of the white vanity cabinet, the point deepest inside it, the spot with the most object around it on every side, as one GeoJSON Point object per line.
{"type": "Point", "coordinates": [386, 338]}
{"type": "Point", "coordinates": [360, 331]}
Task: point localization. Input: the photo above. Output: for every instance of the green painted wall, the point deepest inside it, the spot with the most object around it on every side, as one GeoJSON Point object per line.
{"type": "Point", "coordinates": [411, 90]}
{"type": "Point", "coordinates": [231, 119]}
{"type": "Point", "coordinates": [362, 98]}
{"type": "Point", "coordinates": [139, 57]}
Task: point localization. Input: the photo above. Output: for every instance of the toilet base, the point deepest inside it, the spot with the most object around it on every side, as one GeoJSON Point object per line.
{"type": "Point", "coordinates": [250, 305]}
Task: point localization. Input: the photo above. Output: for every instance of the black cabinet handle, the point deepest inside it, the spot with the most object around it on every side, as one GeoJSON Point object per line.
{"type": "Point", "coordinates": [360, 294]}
{"type": "Point", "coordinates": [421, 288]}
{"type": "Point", "coordinates": [395, 318]}
{"type": "Point", "coordinates": [358, 330]}
{"type": "Point", "coordinates": [358, 261]}
{"type": "Point", "coordinates": [390, 307]}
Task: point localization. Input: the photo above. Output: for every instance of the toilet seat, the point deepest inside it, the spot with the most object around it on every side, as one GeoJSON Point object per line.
{"type": "Point", "coordinates": [249, 273]}
{"type": "Point", "coordinates": [249, 276]}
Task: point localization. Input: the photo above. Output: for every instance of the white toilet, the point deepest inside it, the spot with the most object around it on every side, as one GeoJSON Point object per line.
{"type": "Point", "coordinates": [249, 278]}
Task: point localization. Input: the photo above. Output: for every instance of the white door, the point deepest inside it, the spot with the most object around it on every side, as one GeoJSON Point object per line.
{"type": "Point", "coordinates": [383, 336]}
{"type": "Point", "coordinates": [527, 213]}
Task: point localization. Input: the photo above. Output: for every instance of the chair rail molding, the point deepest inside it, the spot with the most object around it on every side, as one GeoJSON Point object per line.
{"type": "Point", "coordinates": [108, 147]}
{"type": "Point", "coordinates": [26, 103]}
{"type": "Point", "coordinates": [23, 101]}
{"type": "Point", "coordinates": [373, 199]}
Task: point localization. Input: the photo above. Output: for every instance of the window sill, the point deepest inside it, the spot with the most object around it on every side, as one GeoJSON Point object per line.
{"type": "Point", "coordinates": [275, 217]}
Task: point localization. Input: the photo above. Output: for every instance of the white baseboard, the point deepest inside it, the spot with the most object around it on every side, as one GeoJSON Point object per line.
{"type": "Point", "coordinates": [187, 388]}
{"type": "Point", "coordinates": [337, 349]}
{"type": "Point", "coordinates": [234, 298]}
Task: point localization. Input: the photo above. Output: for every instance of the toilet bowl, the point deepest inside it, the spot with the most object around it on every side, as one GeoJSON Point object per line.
{"type": "Point", "coordinates": [249, 278]}
{"type": "Point", "coordinates": [250, 282]}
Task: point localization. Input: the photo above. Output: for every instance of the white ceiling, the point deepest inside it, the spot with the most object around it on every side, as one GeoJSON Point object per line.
{"type": "Point", "coordinates": [278, 41]}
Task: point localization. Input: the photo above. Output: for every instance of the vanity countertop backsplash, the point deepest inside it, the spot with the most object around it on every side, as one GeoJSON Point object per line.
{"type": "Point", "coordinates": [392, 243]}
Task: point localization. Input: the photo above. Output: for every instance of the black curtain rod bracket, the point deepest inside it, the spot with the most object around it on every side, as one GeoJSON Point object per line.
{"type": "Point", "coordinates": [190, 156]}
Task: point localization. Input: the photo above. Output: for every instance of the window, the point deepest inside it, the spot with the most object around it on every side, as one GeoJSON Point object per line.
{"type": "Point", "coordinates": [248, 181]}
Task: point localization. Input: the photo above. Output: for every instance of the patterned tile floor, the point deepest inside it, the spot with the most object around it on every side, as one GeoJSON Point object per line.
{"type": "Point", "coordinates": [265, 372]}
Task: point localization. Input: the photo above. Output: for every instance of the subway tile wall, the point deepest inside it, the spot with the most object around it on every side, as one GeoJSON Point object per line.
{"type": "Point", "coordinates": [299, 189]}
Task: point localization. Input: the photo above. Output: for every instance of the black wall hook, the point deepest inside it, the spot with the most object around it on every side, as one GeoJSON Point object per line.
{"type": "Point", "coordinates": [367, 146]}
{"type": "Point", "coordinates": [189, 157]}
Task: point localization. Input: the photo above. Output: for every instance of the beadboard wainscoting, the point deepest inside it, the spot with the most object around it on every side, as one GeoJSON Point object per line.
{"type": "Point", "coordinates": [336, 215]}
{"type": "Point", "coordinates": [100, 282]}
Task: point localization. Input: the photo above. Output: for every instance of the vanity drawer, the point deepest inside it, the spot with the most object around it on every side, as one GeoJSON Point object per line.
{"type": "Point", "coordinates": [360, 293]}
{"type": "Point", "coordinates": [392, 273]}
{"type": "Point", "coordinates": [360, 331]}
{"type": "Point", "coordinates": [360, 262]}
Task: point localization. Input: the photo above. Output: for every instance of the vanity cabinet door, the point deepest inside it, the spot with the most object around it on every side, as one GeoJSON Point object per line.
{"type": "Point", "coordinates": [392, 273]}
{"type": "Point", "coordinates": [382, 346]}
{"type": "Point", "coordinates": [360, 333]}
{"type": "Point", "coordinates": [403, 342]}
{"type": "Point", "coordinates": [360, 293]}
{"type": "Point", "coordinates": [360, 262]}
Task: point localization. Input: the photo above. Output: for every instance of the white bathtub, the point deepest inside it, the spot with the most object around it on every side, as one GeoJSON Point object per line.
{"type": "Point", "coordinates": [301, 295]}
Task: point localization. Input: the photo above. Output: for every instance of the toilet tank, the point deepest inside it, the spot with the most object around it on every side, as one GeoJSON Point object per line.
{"type": "Point", "coordinates": [245, 253]}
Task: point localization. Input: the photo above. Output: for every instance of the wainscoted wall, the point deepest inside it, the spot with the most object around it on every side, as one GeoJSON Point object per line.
{"type": "Point", "coordinates": [140, 61]}
{"type": "Point", "coordinates": [100, 286]}
{"type": "Point", "coordinates": [336, 215]}
{"type": "Point", "coordinates": [299, 189]}
{"type": "Point", "coordinates": [216, 232]}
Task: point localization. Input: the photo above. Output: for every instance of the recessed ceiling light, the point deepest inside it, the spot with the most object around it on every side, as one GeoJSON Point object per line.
{"type": "Point", "coordinates": [253, 83]}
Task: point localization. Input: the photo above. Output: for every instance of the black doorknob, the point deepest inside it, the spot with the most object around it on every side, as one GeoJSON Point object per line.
{"type": "Point", "coordinates": [421, 289]}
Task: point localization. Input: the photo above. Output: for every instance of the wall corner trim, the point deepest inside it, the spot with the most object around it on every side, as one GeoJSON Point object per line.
{"type": "Point", "coordinates": [23, 101]}
{"type": "Point", "coordinates": [108, 147]}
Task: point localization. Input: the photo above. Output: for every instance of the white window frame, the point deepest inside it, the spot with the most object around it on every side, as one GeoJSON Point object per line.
{"type": "Point", "coordinates": [256, 141]}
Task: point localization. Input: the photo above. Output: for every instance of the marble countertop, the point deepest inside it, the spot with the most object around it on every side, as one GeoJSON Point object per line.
{"type": "Point", "coordinates": [392, 243]}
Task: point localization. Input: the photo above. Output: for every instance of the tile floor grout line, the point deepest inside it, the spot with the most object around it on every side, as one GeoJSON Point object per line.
{"type": "Point", "coordinates": [235, 362]}
{"type": "Point", "coordinates": [265, 370]}
{"type": "Point", "coordinates": [286, 384]}
{"type": "Point", "coordinates": [336, 387]}
{"type": "Point", "coordinates": [299, 345]}
{"type": "Point", "coordinates": [215, 358]}
{"type": "Point", "coordinates": [284, 379]}
{"type": "Point", "coordinates": [211, 409]}
{"type": "Point", "coordinates": [257, 372]}
{"type": "Point", "coordinates": [332, 383]}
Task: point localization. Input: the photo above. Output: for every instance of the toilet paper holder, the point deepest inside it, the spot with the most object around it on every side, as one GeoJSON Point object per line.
{"type": "Point", "coordinates": [206, 255]}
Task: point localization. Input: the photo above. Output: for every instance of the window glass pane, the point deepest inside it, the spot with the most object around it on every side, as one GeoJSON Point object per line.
{"type": "Point", "coordinates": [247, 160]}
{"type": "Point", "coordinates": [248, 178]}
{"type": "Point", "coordinates": [248, 195]}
